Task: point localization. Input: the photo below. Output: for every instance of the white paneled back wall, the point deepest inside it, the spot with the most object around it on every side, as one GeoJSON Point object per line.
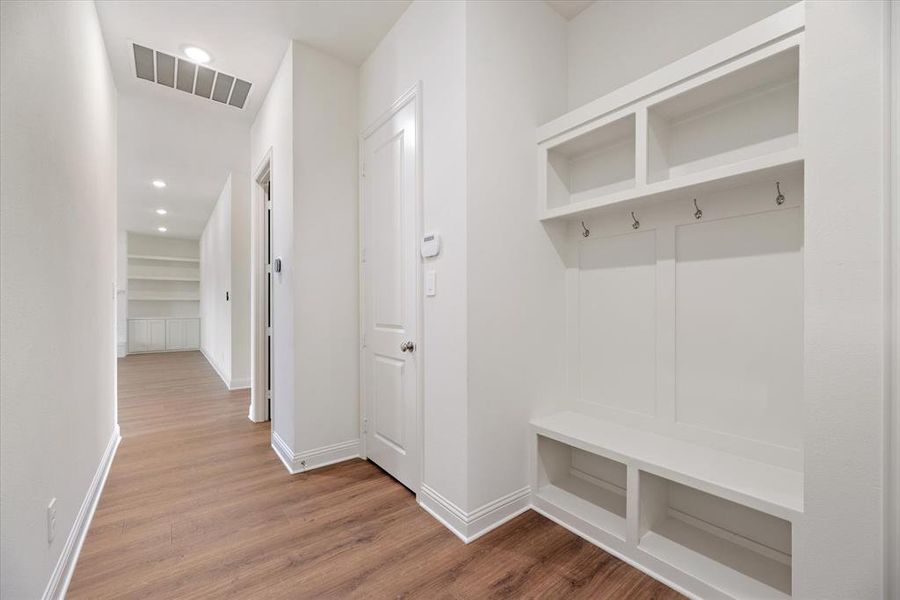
{"type": "Point", "coordinates": [693, 327]}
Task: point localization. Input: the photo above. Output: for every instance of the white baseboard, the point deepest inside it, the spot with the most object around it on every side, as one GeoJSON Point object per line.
{"type": "Point", "coordinates": [299, 462]}
{"type": "Point", "coordinates": [225, 379]}
{"type": "Point", "coordinates": [469, 526]}
{"type": "Point", "coordinates": [242, 383]}
{"type": "Point", "coordinates": [65, 566]}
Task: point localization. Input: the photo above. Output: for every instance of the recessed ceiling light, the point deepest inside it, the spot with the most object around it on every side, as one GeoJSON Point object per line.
{"type": "Point", "coordinates": [159, 183]}
{"type": "Point", "coordinates": [161, 229]}
{"type": "Point", "coordinates": [161, 211]}
{"type": "Point", "coordinates": [197, 54]}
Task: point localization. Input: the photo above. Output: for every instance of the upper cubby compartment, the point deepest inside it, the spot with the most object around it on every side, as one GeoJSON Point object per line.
{"type": "Point", "coordinates": [725, 116]}
{"type": "Point", "coordinates": [745, 114]}
{"type": "Point", "coordinates": [598, 162]}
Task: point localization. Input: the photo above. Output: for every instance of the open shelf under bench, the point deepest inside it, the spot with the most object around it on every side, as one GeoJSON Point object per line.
{"type": "Point", "coordinates": [767, 488]}
{"type": "Point", "coordinates": [722, 521]}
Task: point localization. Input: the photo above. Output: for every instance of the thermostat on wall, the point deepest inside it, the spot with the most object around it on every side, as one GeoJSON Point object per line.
{"type": "Point", "coordinates": [431, 245]}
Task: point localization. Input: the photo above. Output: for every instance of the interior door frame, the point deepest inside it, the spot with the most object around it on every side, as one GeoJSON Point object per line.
{"type": "Point", "coordinates": [259, 359]}
{"type": "Point", "coordinates": [411, 96]}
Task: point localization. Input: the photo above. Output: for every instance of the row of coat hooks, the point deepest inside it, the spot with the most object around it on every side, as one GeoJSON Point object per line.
{"type": "Point", "coordinates": [698, 212]}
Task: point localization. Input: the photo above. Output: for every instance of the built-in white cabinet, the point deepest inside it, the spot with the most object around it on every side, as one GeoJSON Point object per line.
{"type": "Point", "coordinates": [159, 335]}
{"type": "Point", "coordinates": [146, 335]}
{"type": "Point", "coordinates": [182, 334]}
{"type": "Point", "coordinates": [677, 207]}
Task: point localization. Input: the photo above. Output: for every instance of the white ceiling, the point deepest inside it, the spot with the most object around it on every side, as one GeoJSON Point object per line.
{"type": "Point", "coordinates": [569, 9]}
{"type": "Point", "coordinates": [193, 143]}
{"type": "Point", "coordinates": [245, 39]}
{"type": "Point", "coordinates": [190, 148]}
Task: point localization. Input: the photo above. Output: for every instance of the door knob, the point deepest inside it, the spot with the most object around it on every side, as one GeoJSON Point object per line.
{"type": "Point", "coordinates": [407, 347]}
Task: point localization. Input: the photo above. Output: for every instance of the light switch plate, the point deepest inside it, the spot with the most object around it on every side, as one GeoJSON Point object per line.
{"type": "Point", "coordinates": [430, 283]}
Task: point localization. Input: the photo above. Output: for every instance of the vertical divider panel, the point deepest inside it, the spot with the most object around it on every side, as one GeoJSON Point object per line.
{"type": "Point", "coordinates": [543, 195]}
{"type": "Point", "coordinates": [573, 341]}
{"type": "Point", "coordinates": [653, 502]}
{"type": "Point", "coordinates": [633, 512]}
{"type": "Point", "coordinates": [665, 322]}
{"type": "Point", "coordinates": [641, 150]}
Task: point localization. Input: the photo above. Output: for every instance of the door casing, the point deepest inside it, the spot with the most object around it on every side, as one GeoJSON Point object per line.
{"type": "Point", "coordinates": [259, 406]}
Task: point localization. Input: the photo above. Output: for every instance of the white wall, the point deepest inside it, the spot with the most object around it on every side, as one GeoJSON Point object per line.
{"type": "Point", "coordinates": [325, 259]}
{"type": "Point", "coordinates": [614, 42]}
{"type": "Point", "coordinates": [240, 277]}
{"type": "Point", "coordinates": [308, 123]}
{"type": "Point", "coordinates": [215, 280]}
{"type": "Point", "coordinates": [272, 132]}
{"type": "Point", "coordinates": [515, 81]}
{"type": "Point", "coordinates": [121, 293]}
{"type": "Point", "coordinates": [840, 540]}
{"type": "Point", "coordinates": [427, 44]}
{"type": "Point", "coordinates": [225, 267]}
{"type": "Point", "coordinates": [892, 555]}
{"type": "Point", "coordinates": [58, 265]}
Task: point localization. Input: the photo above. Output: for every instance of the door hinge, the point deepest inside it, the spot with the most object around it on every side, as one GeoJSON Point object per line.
{"type": "Point", "coordinates": [268, 394]}
{"type": "Point", "coordinates": [269, 331]}
{"type": "Point", "coordinates": [269, 268]}
{"type": "Point", "coordinates": [364, 169]}
{"type": "Point", "coordinates": [268, 205]}
{"type": "Point", "coordinates": [365, 426]}
{"type": "Point", "coordinates": [362, 341]}
{"type": "Point", "coordinates": [362, 255]}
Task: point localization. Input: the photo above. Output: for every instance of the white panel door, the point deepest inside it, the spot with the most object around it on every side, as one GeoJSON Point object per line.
{"type": "Point", "coordinates": [390, 294]}
{"type": "Point", "coordinates": [157, 334]}
{"type": "Point", "coordinates": [138, 335]}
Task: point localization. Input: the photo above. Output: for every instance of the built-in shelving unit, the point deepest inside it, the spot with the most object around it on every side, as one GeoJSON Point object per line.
{"type": "Point", "coordinates": [163, 294]}
{"type": "Point", "coordinates": [666, 136]}
{"type": "Point", "coordinates": [718, 517]}
{"type": "Point", "coordinates": [677, 442]}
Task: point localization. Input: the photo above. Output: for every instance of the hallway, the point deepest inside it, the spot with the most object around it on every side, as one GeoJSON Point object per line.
{"type": "Point", "coordinates": [198, 505]}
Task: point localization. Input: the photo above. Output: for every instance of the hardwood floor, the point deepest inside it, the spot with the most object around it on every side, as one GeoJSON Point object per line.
{"type": "Point", "coordinates": [197, 505]}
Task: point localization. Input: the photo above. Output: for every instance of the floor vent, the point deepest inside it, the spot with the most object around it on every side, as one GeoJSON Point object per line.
{"type": "Point", "coordinates": [189, 77]}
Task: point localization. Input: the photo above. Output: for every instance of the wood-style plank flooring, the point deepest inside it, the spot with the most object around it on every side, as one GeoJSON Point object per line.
{"type": "Point", "coordinates": [197, 505]}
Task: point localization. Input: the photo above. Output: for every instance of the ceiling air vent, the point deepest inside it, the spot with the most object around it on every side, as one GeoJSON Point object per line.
{"type": "Point", "coordinates": [186, 76]}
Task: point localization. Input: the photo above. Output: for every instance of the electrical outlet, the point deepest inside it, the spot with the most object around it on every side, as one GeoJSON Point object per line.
{"type": "Point", "coordinates": [51, 521]}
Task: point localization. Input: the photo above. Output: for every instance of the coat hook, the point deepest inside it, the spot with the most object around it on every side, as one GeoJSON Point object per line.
{"type": "Point", "coordinates": [586, 232]}
{"type": "Point", "coordinates": [636, 224]}
{"type": "Point", "coordinates": [779, 199]}
{"type": "Point", "coordinates": [698, 214]}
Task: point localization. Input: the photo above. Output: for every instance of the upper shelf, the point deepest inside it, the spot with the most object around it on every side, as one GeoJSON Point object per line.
{"type": "Point", "coordinates": [162, 278]}
{"type": "Point", "coordinates": [166, 258]}
{"type": "Point", "coordinates": [770, 489]}
{"type": "Point", "coordinates": [773, 166]}
{"type": "Point", "coordinates": [722, 117]}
